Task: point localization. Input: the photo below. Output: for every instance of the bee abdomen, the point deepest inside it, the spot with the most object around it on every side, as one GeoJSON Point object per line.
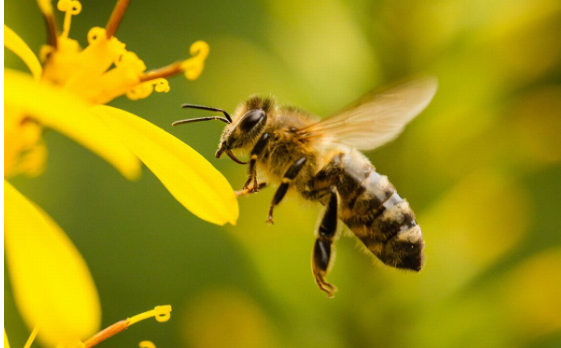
{"type": "Point", "coordinates": [384, 222]}
{"type": "Point", "coordinates": [374, 195]}
{"type": "Point", "coordinates": [404, 250]}
{"type": "Point", "coordinates": [395, 217]}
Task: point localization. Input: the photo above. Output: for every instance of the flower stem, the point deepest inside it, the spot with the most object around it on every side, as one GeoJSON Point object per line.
{"type": "Point", "coordinates": [116, 17]}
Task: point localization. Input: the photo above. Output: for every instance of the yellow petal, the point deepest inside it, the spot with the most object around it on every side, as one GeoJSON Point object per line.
{"type": "Point", "coordinates": [69, 115]}
{"type": "Point", "coordinates": [24, 149]}
{"type": "Point", "coordinates": [14, 43]}
{"type": "Point", "coordinates": [190, 178]}
{"type": "Point", "coordinates": [6, 343]}
{"type": "Point", "coordinates": [52, 285]}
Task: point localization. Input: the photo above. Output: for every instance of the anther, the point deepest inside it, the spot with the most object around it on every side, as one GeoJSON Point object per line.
{"type": "Point", "coordinates": [72, 8]}
{"type": "Point", "coordinates": [161, 313]}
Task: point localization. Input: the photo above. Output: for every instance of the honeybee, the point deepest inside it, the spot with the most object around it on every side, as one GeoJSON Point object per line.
{"type": "Point", "coordinates": [321, 160]}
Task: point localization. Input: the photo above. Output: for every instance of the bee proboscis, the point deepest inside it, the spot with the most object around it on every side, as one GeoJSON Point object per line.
{"type": "Point", "coordinates": [321, 160]}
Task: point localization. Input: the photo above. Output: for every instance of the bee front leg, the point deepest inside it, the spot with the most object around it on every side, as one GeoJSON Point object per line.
{"type": "Point", "coordinates": [252, 171]}
{"type": "Point", "coordinates": [322, 252]}
{"type": "Point", "coordinates": [287, 178]}
{"type": "Point", "coordinates": [244, 192]}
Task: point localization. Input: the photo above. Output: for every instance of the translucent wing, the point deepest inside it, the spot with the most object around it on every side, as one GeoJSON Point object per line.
{"type": "Point", "coordinates": [377, 118]}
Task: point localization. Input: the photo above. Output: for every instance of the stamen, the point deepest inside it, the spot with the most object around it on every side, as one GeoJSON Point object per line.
{"type": "Point", "coordinates": [72, 8]}
{"type": "Point", "coordinates": [48, 15]}
{"type": "Point", "coordinates": [160, 313]}
{"type": "Point", "coordinates": [192, 67]}
{"type": "Point", "coordinates": [165, 72]}
{"type": "Point", "coordinates": [116, 17]}
{"type": "Point", "coordinates": [31, 337]}
{"type": "Point", "coordinates": [108, 332]}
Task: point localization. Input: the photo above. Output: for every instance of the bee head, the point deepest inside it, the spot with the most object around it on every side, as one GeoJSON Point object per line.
{"type": "Point", "coordinates": [243, 130]}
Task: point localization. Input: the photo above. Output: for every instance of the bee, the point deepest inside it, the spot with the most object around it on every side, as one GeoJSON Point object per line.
{"type": "Point", "coordinates": [321, 160]}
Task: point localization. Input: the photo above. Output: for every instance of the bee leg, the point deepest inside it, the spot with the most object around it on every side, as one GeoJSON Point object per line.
{"type": "Point", "coordinates": [322, 253]}
{"type": "Point", "coordinates": [244, 192]}
{"type": "Point", "coordinates": [281, 191]}
{"type": "Point", "coordinates": [252, 172]}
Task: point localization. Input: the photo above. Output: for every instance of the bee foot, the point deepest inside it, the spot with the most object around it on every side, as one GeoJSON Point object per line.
{"type": "Point", "coordinates": [247, 190]}
{"type": "Point", "coordinates": [270, 217]}
{"type": "Point", "coordinates": [324, 286]}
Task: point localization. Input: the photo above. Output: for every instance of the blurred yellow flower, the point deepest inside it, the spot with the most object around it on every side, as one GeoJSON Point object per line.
{"type": "Point", "coordinates": [160, 313]}
{"type": "Point", "coordinates": [146, 344]}
{"type": "Point", "coordinates": [227, 318]}
{"type": "Point", "coordinates": [52, 285]}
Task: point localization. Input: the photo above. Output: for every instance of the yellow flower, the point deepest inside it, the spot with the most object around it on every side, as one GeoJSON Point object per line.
{"type": "Point", "coordinates": [69, 91]}
{"type": "Point", "coordinates": [52, 285]}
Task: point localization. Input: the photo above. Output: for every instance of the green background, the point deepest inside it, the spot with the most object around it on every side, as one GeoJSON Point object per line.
{"type": "Point", "coordinates": [481, 168]}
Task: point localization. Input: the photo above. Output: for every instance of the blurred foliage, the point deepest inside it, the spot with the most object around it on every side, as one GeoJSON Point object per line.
{"type": "Point", "coordinates": [481, 168]}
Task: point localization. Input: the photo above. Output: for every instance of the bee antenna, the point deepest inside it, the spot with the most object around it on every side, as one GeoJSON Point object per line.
{"type": "Point", "coordinates": [208, 118]}
{"type": "Point", "coordinates": [208, 108]}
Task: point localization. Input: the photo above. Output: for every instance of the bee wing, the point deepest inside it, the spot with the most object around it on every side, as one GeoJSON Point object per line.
{"type": "Point", "coordinates": [377, 118]}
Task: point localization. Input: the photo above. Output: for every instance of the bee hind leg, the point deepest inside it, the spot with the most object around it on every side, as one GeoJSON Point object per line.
{"type": "Point", "coordinates": [323, 247]}
{"type": "Point", "coordinates": [290, 174]}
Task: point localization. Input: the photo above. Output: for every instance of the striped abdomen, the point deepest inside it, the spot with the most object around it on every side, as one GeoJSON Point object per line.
{"type": "Point", "coordinates": [377, 215]}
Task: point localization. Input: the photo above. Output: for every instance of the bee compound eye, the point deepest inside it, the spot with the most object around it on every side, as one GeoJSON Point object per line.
{"type": "Point", "coordinates": [250, 119]}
